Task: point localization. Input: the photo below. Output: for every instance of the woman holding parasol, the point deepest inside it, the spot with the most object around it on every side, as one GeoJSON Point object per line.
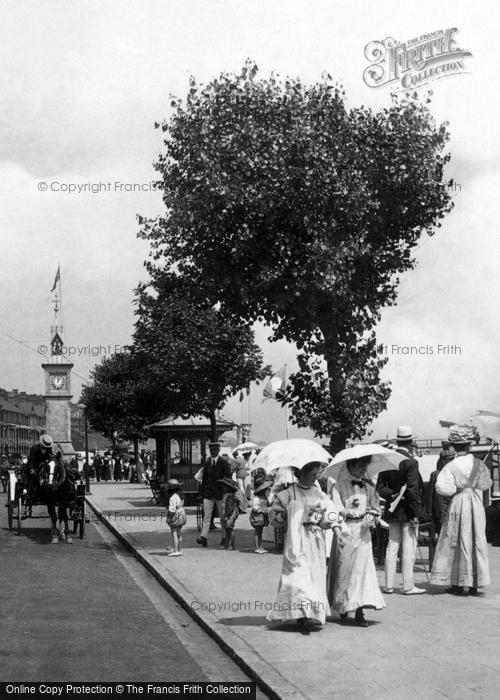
{"type": "Point", "coordinates": [307, 512]}
{"type": "Point", "coordinates": [352, 583]}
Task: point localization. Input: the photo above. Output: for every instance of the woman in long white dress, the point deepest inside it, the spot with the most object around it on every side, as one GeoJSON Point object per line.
{"type": "Point", "coordinates": [308, 512]}
{"type": "Point", "coordinates": [352, 577]}
{"type": "Point", "coordinates": [461, 557]}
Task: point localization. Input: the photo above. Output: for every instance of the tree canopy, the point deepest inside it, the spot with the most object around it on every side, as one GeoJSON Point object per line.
{"type": "Point", "coordinates": [196, 357]}
{"type": "Point", "coordinates": [285, 206]}
{"type": "Point", "coordinates": [117, 403]}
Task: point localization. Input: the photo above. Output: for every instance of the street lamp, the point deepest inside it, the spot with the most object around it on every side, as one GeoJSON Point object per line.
{"type": "Point", "coordinates": [87, 465]}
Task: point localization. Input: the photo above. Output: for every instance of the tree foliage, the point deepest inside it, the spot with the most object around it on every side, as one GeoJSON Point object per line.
{"type": "Point", "coordinates": [196, 357]}
{"type": "Point", "coordinates": [288, 207]}
{"type": "Point", "coordinates": [120, 402]}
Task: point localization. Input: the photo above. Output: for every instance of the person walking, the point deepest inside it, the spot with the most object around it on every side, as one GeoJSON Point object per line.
{"type": "Point", "coordinates": [436, 505]}
{"type": "Point", "coordinates": [259, 517]}
{"type": "Point", "coordinates": [117, 471]}
{"type": "Point", "coordinates": [402, 490]}
{"type": "Point", "coordinates": [176, 516]}
{"type": "Point", "coordinates": [307, 511]}
{"type": "Point", "coordinates": [352, 583]}
{"type": "Point", "coordinates": [461, 558]}
{"type": "Point", "coordinates": [106, 467]}
{"type": "Point", "coordinates": [98, 467]}
{"type": "Point", "coordinates": [215, 468]}
{"type": "Point", "coordinates": [229, 513]}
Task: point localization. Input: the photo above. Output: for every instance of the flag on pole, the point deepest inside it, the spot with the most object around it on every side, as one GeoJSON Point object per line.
{"type": "Point", "coordinates": [277, 383]}
{"type": "Point", "coordinates": [58, 277]}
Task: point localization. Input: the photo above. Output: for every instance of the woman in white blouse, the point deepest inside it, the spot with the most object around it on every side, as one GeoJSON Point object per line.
{"type": "Point", "coordinates": [461, 559]}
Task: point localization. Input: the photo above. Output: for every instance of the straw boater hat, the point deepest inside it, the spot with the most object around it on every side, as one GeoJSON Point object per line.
{"type": "Point", "coordinates": [460, 435]}
{"type": "Point", "coordinates": [46, 441]}
{"type": "Point", "coordinates": [173, 484]}
{"type": "Point", "coordinates": [404, 434]}
{"type": "Point", "coordinates": [228, 482]}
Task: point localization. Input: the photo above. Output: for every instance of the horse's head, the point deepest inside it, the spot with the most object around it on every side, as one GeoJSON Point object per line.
{"type": "Point", "coordinates": [51, 474]}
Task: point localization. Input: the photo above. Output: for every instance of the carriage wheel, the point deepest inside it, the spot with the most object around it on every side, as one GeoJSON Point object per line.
{"type": "Point", "coordinates": [199, 515]}
{"type": "Point", "coordinates": [19, 516]}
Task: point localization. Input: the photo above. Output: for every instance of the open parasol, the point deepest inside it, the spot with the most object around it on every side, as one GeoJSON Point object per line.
{"type": "Point", "coordinates": [488, 424]}
{"type": "Point", "coordinates": [296, 452]}
{"type": "Point", "coordinates": [246, 447]}
{"type": "Point", "coordinates": [382, 459]}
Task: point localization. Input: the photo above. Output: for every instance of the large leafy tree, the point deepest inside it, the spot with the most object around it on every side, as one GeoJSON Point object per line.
{"type": "Point", "coordinates": [120, 400]}
{"type": "Point", "coordinates": [196, 357]}
{"type": "Point", "coordinates": [286, 206]}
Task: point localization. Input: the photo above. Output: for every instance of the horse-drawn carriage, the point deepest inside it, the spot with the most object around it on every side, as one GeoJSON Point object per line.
{"type": "Point", "coordinates": [64, 497]}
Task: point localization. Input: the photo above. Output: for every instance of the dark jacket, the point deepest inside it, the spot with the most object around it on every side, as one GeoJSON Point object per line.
{"type": "Point", "coordinates": [436, 505]}
{"type": "Point", "coordinates": [36, 459]}
{"type": "Point", "coordinates": [389, 484]}
{"type": "Point", "coordinates": [210, 486]}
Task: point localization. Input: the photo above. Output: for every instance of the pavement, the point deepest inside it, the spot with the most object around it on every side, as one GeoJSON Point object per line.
{"type": "Point", "coordinates": [423, 647]}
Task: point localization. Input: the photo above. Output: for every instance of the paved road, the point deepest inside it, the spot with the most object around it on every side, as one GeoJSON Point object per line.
{"type": "Point", "coordinates": [88, 611]}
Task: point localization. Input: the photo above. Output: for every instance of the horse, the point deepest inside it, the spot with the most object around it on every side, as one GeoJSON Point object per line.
{"type": "Point", "coordinates": [56, 490]}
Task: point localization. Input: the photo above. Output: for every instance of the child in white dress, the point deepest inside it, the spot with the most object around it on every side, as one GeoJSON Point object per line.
{"type": "Point", "coordinates": [176, 516]}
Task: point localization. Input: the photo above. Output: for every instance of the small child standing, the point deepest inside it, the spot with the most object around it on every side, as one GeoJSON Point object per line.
{"type": "Point", "coordinates": [176, 516]}
{"type": "Point", "coordinates": [259, 517]}
{"type": "Point", "coordinates": [229, 512]}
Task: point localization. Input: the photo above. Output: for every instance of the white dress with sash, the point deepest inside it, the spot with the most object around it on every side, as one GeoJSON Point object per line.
{"type": "Point", "coordinates": [461, 557]}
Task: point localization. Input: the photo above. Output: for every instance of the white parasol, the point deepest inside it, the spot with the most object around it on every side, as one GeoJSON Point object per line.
{"type": "Point", "coordinates": [290, 453]}
{"type": "Point", "coordinates": [488, 424]}
{"type": "Point", "coordinates": [382, 459]}
{"type": "Point", "coordinates": [246, 447]}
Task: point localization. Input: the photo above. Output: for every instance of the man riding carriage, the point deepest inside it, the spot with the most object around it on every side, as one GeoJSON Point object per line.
{"type": "Point", "coordinates": [49, 482]}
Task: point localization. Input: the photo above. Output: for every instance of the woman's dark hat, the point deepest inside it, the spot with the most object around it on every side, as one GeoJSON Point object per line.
{"type": "Point", "coordinates": [228, 482]}
{"type": "Point", "coordinates": [460, 435]}
{"type": "Point", "coordinates": [262, 486]}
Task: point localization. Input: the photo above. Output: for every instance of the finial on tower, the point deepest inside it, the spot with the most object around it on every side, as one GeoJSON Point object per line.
{"type": "Point", "coordinates": [56, 330]}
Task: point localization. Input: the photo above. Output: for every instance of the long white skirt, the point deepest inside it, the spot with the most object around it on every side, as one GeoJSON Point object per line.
{"type": "Point", "coordinates": [352, 577]}
{"type": "Point", "coordinates": [302, 586]}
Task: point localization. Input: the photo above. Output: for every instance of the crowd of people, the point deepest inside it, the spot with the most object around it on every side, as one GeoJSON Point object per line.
{"type": "Point", "coordinates": [114, 466]}
{"type": "Point", "coordinates": [328, 526]}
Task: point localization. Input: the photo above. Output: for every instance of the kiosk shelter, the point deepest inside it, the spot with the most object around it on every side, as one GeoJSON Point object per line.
{"type": "Point", "coordinates": [181, 446]}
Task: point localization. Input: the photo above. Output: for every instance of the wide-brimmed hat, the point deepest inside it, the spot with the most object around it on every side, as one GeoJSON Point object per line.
{"type": "Point", "coordinates": [404, 434]}
{"type": "Point", "coordinates": [228, 482]}
{"type": "Point", "coordinates": [262, 486]}
{"type": "Point", "coordinates": [173, 483]}
{"type": "Point", "coordinates": [46, 441]}
{"type": "Point", "coordinates": [460, 435]}
{"type": "Point", "coordinates": [214, 444]}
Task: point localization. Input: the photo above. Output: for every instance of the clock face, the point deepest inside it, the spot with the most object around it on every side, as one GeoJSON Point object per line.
{"type": "Point", "coordinates": [58, 382]}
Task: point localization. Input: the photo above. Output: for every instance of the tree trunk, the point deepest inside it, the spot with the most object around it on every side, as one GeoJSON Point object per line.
{"type": "Point", "coordinates": [336, 382]}
{"type": "Point", "coordinates": [213, 425]}
{"type": "Point", "coordinates": [136, 450]}
{"type": "Point", "coordinates": [337, 443]}
{"type": "Point", "coordinates": [138, 462]}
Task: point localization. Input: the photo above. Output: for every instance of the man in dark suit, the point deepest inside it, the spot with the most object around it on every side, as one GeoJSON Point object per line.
{"type": "Point", "coordinates": [214, 469]}
{"type": "Point", "coordinates": [436, 505]}
{"type": "Point", "coordinates": [39, 454]}
{"type": "Point", "coordinates": [402, 490]}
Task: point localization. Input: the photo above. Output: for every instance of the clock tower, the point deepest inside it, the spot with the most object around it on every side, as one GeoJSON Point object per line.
{"type": "Point", "coordinates": [58, 394]}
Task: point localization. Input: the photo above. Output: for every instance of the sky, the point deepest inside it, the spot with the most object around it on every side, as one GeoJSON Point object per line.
{"type": "Point", "coordinates": [82, 85]}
